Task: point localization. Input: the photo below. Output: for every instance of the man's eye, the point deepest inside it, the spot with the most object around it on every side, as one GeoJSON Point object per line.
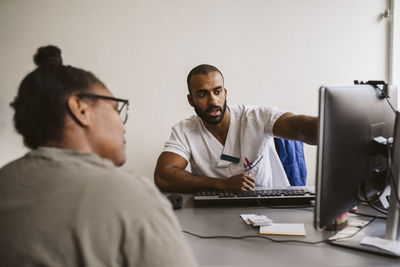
{"type": "Point", "coordinates": [201, 95]}
{"type": "Point", "coordinates": [217, 92]}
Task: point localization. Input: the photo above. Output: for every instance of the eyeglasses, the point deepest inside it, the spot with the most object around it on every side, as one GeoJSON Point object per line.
{"type": "Point", "coordinates": [123, 104]}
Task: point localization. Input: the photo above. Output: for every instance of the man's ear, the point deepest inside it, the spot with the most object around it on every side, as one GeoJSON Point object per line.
{"type": "Point", "coordinates": [79, 110]}
{"type": "Point", "coordinates": [190, 99]}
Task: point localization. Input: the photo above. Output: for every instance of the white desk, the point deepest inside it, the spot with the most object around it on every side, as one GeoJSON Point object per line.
{"type": "Point", "coordinates": [261, 252]}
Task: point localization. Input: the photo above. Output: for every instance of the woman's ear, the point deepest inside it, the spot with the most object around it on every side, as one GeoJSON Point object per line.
{"type": "Point", "coordinates": [79, 110]}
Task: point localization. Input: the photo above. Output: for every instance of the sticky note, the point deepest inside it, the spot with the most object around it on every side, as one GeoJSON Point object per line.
{"type": "Point", "coordinates": [296, 229]}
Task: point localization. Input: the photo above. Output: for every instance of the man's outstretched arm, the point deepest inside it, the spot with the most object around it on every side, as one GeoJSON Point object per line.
{"type": "Point", "coordinates": [170, 175]}
{"type": "Point", "coordinates": [297, 127]}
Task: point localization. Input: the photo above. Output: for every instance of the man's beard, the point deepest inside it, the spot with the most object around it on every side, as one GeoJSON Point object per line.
{"type": "Point", "coordinates": [204, 116]}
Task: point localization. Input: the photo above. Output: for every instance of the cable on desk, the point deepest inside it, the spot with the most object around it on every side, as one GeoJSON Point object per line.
{"type": "Point", "coordinates": [285, 206]}
{"type": "Point", "coordinates": [277, 241]}
{"type": "Point", "coordinates": [350, 236]}
{"type": "Point", "coordinates": [254, 236]}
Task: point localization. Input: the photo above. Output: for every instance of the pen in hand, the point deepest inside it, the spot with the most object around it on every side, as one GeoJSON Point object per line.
{"type": "Point", "coordinates": [248, 162]}
{"type": "Point", "coordinates": [249, 165]}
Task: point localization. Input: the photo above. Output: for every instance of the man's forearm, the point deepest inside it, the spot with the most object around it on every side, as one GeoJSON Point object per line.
{"type": "Point", "coordinates": [307, 129]}
{"type": "Point", "coordinates": [297, 127]}
{"type": "Point", "coordinates": [177, 180]}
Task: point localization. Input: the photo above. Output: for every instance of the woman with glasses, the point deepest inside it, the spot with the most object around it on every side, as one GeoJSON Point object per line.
{"type": "Point", "coordinates": [65, 203]}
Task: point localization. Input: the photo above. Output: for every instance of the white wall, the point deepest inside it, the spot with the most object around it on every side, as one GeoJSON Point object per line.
{"type": "Point", "coordinates": [274, 52]}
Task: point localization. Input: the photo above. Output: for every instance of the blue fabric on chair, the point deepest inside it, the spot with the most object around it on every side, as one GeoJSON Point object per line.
{"type": "Point", "coordinates": [291, 154]}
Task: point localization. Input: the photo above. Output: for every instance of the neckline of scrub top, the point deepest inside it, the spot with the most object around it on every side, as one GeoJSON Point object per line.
{"type": "Point", "coordinates": [232, 142]}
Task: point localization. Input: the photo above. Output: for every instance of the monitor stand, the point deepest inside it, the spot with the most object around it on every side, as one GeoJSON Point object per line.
{"type": "Point", "coordinates": [375, 229]}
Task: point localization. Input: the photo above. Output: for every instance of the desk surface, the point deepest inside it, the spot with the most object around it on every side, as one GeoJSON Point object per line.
{"type": "Point", "coordinates": [210, 221]}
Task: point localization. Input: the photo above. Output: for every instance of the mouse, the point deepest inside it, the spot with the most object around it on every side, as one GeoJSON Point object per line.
{"type": "Point", "coordinates": [176, 200]}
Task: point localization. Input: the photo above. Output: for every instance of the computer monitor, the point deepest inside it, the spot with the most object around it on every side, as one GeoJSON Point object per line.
{"type": "Point", "coordinates": [350, 166]}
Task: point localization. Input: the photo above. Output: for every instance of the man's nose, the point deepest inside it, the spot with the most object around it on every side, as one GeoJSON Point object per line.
{"type": "Point", "coordinates": [213, 100]}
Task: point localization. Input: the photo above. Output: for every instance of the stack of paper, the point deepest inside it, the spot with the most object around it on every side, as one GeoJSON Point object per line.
{"type": "Point", "coordinates": [267, 227]}
{"type": "Point", "coordinates": [353, 227]}
{"type": "Point", "coordinates": [256, 220]}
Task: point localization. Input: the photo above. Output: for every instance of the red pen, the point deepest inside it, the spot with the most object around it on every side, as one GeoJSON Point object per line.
{"type": "Point", "coordinates": [248, 162]}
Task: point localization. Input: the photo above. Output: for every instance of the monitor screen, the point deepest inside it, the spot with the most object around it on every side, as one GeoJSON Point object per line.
{"type": "Point", "coordinates": [348, 165]}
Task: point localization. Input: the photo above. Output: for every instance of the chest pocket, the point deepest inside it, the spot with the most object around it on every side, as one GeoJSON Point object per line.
{"type": "Point", "coordinates": [228, 166]}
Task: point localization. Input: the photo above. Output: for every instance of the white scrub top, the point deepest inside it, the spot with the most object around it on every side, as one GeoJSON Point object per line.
{"type": "Point", "coordinates": [249, 136]}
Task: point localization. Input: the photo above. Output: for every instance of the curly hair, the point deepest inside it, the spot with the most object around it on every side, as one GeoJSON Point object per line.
{"type": "Point", "coordinates": [40, 105]}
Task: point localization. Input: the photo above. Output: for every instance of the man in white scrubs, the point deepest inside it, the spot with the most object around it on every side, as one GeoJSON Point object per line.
{"type": "Point", "coordinates": [228, 147]}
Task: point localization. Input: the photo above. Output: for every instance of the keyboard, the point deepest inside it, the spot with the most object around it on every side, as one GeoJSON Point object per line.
{"type": "Point", "coordinates": [294, 195]}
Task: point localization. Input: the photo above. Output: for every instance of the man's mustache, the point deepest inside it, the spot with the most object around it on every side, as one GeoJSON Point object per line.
{"type": "Point", "coordinates": [214, 107]}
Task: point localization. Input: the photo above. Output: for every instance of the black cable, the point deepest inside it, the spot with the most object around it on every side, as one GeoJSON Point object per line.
{"type": "Point", "coordinates": [369, 201]}
{"type": "Point", "coordinates": [302, 207]}
{"type": "Point", "coordinates": [385, 96]}
{"type": "Point", "coordinates": [368, 215]}
{"type": "Point", "coordinates": [274, 240]}
{"type": "Point", "coordinates": [350, 236]}
{"type": "Point", "coordinates": [390, 104]}
{"type": "Point", "coordinates": [365, 198]}
{"type": "Point", "coordinates": [372, 205]}
{"type": "Point", "coordinates": [387, 100]}
{"type": "Point", "coordinates": [389, 177]}
{"type": "Point", "coordinates": [255, 236]}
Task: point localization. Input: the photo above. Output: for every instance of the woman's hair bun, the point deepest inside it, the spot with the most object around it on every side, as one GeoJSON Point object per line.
{"type": "Point", "coordinates": [48, 55]}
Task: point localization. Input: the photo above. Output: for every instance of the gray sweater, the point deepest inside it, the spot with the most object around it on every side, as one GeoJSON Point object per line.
{"type": "Point", "coordinates": [64, 208]}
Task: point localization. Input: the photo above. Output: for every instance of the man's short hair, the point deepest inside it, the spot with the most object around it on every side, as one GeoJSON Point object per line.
{"type": "Point", "coordinates": [201, 69]}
